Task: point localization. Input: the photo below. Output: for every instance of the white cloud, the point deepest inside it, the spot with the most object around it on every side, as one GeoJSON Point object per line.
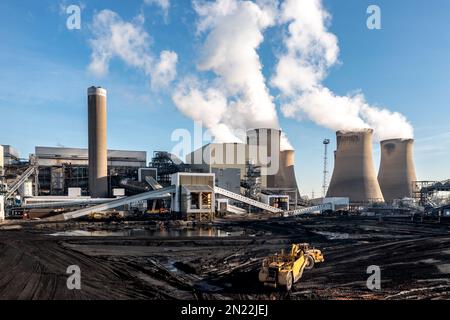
{"type": "Point", "coordinates": [165, 71]}
{"type": "Point", "coordinates": [163, 4]}
{"type": "Point", "coordinates": [128, 41]}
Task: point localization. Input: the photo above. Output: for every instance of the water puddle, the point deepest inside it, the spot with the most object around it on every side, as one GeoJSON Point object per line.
{"type": "Point", "coordinates": [333, 235]}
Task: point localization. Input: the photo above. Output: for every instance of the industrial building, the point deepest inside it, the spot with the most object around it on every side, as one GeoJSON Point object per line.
{"type": "Point", "coordinates": [226, 160]}
{"type": "Point", "coordinates": [238, 178]}
{"type": "Point", "coordinates": [10, 155]}
{"type": "Point", "coordinates": [64, 168]}
{"type": "Point", "coordinates": [229, 160]}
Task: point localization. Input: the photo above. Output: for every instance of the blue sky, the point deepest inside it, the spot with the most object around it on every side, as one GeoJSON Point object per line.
{"type": "Point", "coordinates": [44, 76]}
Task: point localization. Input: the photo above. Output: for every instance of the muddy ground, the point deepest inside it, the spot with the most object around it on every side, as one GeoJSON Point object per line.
{"type": "Point", "coordinates": [414, 258]}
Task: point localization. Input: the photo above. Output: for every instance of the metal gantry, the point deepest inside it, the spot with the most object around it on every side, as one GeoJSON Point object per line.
{"type": "Point", "coordinates": [326, 142]}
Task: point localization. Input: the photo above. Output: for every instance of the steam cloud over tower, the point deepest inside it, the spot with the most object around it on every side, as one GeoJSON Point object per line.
{"type": "Point", "coordinates": [98, 163]}
{"type": "Point", "coordinates": [397, 172]}
{"type": "Point", "coordinates": [354, 171]}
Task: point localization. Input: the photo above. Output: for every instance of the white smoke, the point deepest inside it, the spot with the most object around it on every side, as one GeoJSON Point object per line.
{"type": "Point", "coordinates": [128, 41]}
{"type": "Point", "coordinates": [238, 97]}
{"type": "Point", "coordinates": [310, 51]}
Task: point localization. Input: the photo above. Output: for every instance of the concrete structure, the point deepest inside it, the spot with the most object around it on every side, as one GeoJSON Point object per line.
{"type": "Point", "coordinates": [397, 173]}
{"type": "Point", "coordinates": [98, 156]}
{"type": "Point", "coordinates": [74, 192]}
{"type": "Point", "coordinates": [276, 201]}
{"type": "Point", "coordinates": [285, 178]}
{"type": "Point", "coordinates": [26, 189]}
{"type": "Point", "coordinates": [264, 150]}
{"type": "Point", "coordinates": [354, 171]}
{"type": "Point", "coordinates": [217, 157]}
{"type": "Point", "coordinates": [194, 195]}
{"type": "Point", "coordinates": [228, 178]}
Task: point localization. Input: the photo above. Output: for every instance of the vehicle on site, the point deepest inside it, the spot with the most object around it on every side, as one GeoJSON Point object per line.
{"type": "Point", "coordinates": [283, 270]}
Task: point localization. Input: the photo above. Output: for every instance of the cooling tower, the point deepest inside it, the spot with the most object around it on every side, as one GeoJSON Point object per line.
{"type": "Point", "coordinates": [98, 161]}
{"type": "Point", "coordinates": [285, 179]}
{"type": "Point", "coordinates": [354, 171]}
{"type": "Point", "coordinates": [267, 143]}
{"type": "Point", "coordinates": [397, 172]}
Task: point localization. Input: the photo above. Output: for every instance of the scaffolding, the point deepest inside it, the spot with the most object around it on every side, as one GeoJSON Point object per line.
{"type": "Point", "coordinates": [167, 164]}
{"type": "Point", "coordinates": [252, 181]}
{"type": "Point", "coordinates": [426, 192]}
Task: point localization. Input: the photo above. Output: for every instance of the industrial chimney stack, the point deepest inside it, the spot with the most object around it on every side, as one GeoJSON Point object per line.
{"type": "Point", "coordinates": [98, 152]}
{"type": "Point", "coordinates": [397, 172]}
{"type": "Point", "coordinates": [354, 170]}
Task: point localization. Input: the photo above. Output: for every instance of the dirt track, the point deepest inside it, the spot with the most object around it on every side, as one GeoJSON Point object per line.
{"type": "Point", "coordinates": [414, 258]}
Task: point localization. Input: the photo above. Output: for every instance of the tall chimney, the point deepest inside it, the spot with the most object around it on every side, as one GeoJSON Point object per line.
{"type": "Point", "coordinates": [354, 171]}
{"type": "Point", "coordinates": [397, 172]}
{"type": "Point", "coordinates": [98, 152]}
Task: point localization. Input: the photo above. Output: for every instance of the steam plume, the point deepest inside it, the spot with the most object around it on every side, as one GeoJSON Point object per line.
{"type": "Point", "coordinates": [310, 51]}
{"type": "Point", "coordinates": [238, 97]}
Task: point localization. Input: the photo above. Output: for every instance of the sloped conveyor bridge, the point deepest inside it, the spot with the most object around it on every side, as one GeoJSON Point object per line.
{"type": "Point", "coordinates": [157, 194]}
{"type": "Point", "coordinates": [246, 200]}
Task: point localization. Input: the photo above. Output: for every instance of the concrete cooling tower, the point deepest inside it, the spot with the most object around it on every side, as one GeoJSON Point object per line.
{"type": "Point", "coordinates": [98, 161]}
{"type": "Point", "coordinates": [354, 171]}
{"type": "Point", "coordinates": [397, 172]}
{"type": "Point", "coordinates": [285, 179]}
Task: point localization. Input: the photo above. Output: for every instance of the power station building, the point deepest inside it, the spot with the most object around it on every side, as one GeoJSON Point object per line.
{"type": "Point", "coordinates": [64, 168]}
{"type": "Point", "coordinates": [230, 161]}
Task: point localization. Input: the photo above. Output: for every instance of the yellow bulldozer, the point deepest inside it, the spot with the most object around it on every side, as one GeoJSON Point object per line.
{"type": "Point", "coordinates": [283, 270]}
